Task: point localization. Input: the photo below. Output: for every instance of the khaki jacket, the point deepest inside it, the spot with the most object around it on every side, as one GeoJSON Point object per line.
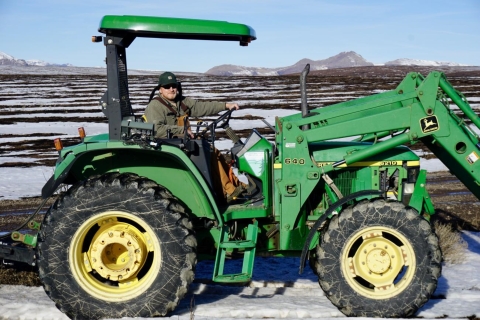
{"type": "Point", "coordinates": [164, 119]}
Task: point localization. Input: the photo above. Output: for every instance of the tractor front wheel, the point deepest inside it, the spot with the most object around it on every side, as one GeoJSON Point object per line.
{"type": "Point", "coordinates": [116, 246]}
{"type": "Point", "coordinates": [378, 259]}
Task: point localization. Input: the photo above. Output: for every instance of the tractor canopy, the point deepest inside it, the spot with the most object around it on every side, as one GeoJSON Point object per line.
{"type": "Point", "coordinates": [121, 31]}
{"type": "Point", "coordinates": [175, 28]}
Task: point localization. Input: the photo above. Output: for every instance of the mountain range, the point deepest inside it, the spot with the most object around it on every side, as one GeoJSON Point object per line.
{"type": "Point", "coordinates": [342, 60]}
{"type": "Point", "coordinates": [8, 60]}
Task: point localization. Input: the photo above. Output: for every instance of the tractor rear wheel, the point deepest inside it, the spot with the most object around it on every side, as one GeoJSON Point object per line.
{"type": "Point", "coordinates": [378, 259]}
{"type": "Point", "coordinates": [116, 246]}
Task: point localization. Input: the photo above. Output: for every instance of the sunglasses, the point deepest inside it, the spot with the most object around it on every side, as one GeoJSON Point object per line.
{"type": "Point", "coordinates": [169, 86]}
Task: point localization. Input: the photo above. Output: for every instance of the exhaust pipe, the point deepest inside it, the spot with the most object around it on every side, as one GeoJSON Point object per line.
{"type": "Point", "coordinates": [303, 92]}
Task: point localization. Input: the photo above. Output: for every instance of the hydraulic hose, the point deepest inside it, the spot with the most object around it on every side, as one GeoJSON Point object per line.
{"type": "Point", "coordinates": [26, 221]}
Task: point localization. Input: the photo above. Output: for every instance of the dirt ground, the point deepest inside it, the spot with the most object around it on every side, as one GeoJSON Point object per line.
{"type": "Point", "coordinates": [454, 203]}
{"type": "Point", "coordinates": [75, 99]}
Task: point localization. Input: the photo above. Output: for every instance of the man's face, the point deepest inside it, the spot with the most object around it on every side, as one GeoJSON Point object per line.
{"type": "Point", "coordinates": [169, 91]}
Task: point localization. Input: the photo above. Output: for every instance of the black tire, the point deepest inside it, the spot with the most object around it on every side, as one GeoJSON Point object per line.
{"type": "Point", "coordinates": [116, 246]}
{"type": "Point", "coordinates": [378, 259]}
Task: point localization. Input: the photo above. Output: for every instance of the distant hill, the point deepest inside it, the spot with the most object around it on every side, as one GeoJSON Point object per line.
{"type": "Point", "coordinates": [346, 59]}
{"type": "Point", "coordinates": [426, 63]}
{"type": "Point", "coordinates": [341, 60]}
{"type": "Point", "coordinates": [8, 60]}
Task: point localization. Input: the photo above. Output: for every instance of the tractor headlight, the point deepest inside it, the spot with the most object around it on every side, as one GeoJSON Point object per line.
{"type": "Point", "coordinates": [408, 188]}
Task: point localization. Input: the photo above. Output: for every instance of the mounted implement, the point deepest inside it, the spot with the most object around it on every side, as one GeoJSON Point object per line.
{"type": "Point", "coordinates": [336, 186]}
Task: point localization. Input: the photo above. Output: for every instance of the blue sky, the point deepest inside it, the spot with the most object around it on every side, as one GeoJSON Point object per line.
{"type": "Point", "coordinates": [59, 31]}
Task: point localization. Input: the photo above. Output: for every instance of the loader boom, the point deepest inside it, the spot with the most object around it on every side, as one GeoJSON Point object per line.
{"type": "Point", "coordinates": [418, 110]}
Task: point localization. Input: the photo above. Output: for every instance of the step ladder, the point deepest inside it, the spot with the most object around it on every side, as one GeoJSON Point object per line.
{"type": "Point", "coordinates": [247, 246]}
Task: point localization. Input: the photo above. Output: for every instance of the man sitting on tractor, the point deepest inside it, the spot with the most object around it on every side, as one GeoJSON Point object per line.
{"type": "Point", "coordinates": [168, 112]}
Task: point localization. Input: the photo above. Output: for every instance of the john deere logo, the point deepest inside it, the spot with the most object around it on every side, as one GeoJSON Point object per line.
{"type": "Point", "coordinates": [429, 124]}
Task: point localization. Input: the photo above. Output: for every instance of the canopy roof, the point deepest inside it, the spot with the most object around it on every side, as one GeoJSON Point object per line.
{"type": "Point", "coordinates": [175, 28]}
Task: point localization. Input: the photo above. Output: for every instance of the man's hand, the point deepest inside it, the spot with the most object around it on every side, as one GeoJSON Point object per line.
{"type": "Point", "coordinates": [231, 106]}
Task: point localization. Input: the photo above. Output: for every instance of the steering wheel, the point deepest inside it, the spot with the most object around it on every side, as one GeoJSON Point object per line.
{"type": "Point", "coordinates": [224, 117]}
{"type": "Point", "coordinates": [220, 122]}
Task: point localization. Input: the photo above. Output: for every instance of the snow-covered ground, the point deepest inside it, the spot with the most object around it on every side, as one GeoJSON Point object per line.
{"type": "Point", "coordinates": [276, 292]}
{"type": "Point", "coordinates": [19, 182]}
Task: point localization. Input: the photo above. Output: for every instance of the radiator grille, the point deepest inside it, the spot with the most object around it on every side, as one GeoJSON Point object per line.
{"type": "Point", "coordinates": [346, 181]}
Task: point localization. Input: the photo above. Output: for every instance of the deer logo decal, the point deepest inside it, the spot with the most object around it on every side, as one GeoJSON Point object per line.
{"type": "Point", "coordinates": [429, 124]}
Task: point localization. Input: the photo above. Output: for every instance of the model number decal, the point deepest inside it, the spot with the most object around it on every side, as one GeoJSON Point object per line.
{"type": "Point", "coordinates": [300, 161]}
{"type": "Point", "coordinates": [385, 163]}
{"type": "Point", "coordinates": [390, 163]}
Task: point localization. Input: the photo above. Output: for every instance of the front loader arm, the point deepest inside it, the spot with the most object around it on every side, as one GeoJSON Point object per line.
{"type": "Point", "coordinates": [417, 110]}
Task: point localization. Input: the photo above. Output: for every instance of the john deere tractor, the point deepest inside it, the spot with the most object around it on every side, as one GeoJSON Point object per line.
{"type": "Point", "coordinates": [335, 187]}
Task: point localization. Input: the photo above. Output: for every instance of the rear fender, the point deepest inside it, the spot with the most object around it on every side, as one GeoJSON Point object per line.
{"type": "Point", "coordinates": [168, 166]}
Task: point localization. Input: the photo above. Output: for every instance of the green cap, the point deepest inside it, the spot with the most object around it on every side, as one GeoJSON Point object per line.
{"type": "Point", "coordinates": [167, 78]}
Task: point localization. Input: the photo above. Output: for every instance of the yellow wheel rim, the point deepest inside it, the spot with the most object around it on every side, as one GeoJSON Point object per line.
{"type": "Point", "coordinates": [378, 262]}
{"type": "Point", "coordinates": [115, 256]}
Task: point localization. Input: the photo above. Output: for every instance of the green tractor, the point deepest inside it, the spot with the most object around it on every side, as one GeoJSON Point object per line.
{"type": "Point", "coordinates": [335, 187]}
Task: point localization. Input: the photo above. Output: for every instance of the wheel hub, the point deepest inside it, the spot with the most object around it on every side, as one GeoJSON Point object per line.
{"type": "Point", "coordinates": [117, 251]}
{"type": "Point", "coordinates": [378, 261]}
{"type": "Point", "coordinates": [115, 256]}
{"type": "Point", "coordinates": [375, 262]}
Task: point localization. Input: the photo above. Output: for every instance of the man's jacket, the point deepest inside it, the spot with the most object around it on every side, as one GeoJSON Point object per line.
{"type": "Point", "coordinates": [164, 118]}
